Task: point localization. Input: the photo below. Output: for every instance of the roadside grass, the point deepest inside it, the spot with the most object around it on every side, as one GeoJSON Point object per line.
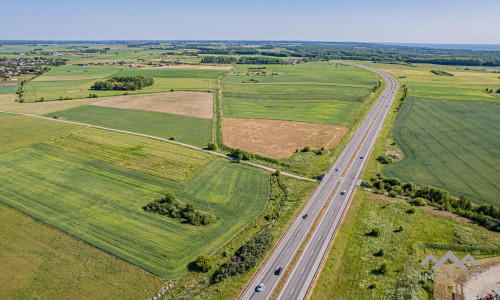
{"type": "Point", "coordinates": [102, 204]}
{"type": "Point", "coordinates": [19, 131]}
{"type": "Point", "coordinates": [450, 144]}
{"type": "Point", "coordinates": [194, 131]}
{"type": "Point", "coordinates": [351, 268]}
{"type": "Point", "coordinates": [145, 155]}
{"type": "Point", "coordinates": [38, 261]}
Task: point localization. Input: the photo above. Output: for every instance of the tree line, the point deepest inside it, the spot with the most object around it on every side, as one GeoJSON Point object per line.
{"type": "Point", "coordinates": [245, 258]}
{"type": "Point", "coordinates": [124, 83]}
{"type": "Point", "coordinates": [487, 216]}
{"type": "Point", "coordinates": [169, 206]}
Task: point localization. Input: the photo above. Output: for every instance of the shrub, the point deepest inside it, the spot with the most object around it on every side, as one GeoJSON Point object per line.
{"type": "Point", "coordinates": [244, 155]}
{"type": "Point", "coordinates": [384, 159]}
{"type": "Point", "coordinates": [383, 269]}
{"type": "Point", "coordinates": [393, 194]}
{"type": "Point", "coordinates": [419, 202]}
{"type": "Point", "coordinates": [172, 138]}
{"type": "Point", "coordinates": [203, 263]}
{"type": "Point", "coordinates": [375, 232]}
{"type": "Point", "coordinates": [212, 146]}
{"type": "Point", "coordinates": [380, 253]}
{"type": "Point", "coordinates": [306, 149]}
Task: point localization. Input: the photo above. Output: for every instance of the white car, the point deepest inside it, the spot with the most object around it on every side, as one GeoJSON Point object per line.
{"type": "Point", "coordinates": [259, 287]}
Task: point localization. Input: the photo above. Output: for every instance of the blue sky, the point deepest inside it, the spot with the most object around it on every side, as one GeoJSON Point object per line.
{"type": "Point", "coordinates": [404, 21]}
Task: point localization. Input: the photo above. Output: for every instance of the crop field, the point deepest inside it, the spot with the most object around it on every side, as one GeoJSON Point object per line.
{"type": "Point", "coordinates": [279, 139]}
{"type": "Point", "coordinates": [191, 104]}
{"type": "Point", "coordinates": [351, 268]}
{"type": "Point", "coordinates": [145, 155]}
{"type": "Point", "coordinates": [450, 144]}
{"type": "Point", "coordinates": [194, 131]}
{"type": "Point", "coordinates": [7, 89]}
{"type": "Point", "coordinates": [7, 103]}
{"type": "Point", "coordinates": [18, 131]}
{"type": "Point", "coordinates": [313, 92]}
{"type": "Point", "coordinates": [35, 256]}
{"type": "Point", "coordinates": [75, 81]}
{"type": "Point", "coordinates": [105, 207]}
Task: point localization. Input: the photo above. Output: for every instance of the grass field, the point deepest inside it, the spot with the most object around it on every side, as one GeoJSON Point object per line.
{"type": "Point", "coordinates": [450, 144]}
{"type": "Point", "coordinates": [18, 131]}
{"type": "Point", "coordinates": [350, 270]}
{"type": "Point", "coordinates": [313, 92]}
{"type": "Point", "coordinates": [194, 131]}
{"type": "Point", "coordinates": [7, 103]}
{"type": "Point", "coordinates": [102, 204]}
{"type": "Point", "coordinates": [145, 155]}
{"type": "Point", "coordinates": [8, 89]}
{"type": "Point", "coordinates": [75, 81]}
{"type": "Point", "coordinates": [35, 256]}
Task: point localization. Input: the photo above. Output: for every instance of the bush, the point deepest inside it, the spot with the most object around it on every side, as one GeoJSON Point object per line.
{"type": "Point", "coordinates": [384, 159]}
{"type": "Point", "coordinates": [124, 83]}
{"type": "Point", "coordinates": [306, 149]}
{"type": "Point", "coordinates": [172, 138]}
{"type": "Point", "coordinates": [203, 263]}
{"type": "Point", "coordinates": [375, 232]}
{"type": "Point", "coordinates": [212, 146]}
{"type": "Point", "coordinates": [419, 202]}
{"type": "Point", "coordinates": [240, 154]}
{"type": "Point", "coordinates": [383, 269]}
{"type": "Point", "coordinates": [380, 253]}
{"type": "Point", "coordinates": [393, 194]}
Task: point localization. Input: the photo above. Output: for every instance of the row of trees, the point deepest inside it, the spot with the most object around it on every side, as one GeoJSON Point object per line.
{"type": "Point", "coordinates": [485, 215]}
{"type": "Point", "coordinates": [245, 258]}
{"type": "Point", "coordinates": [403, 98]}
{"type": "Point", "coordinates": [254, 60]}
{"type": "Point", "coordinates": [441, 73]}
{"type": "Point", "coordinates": [218, 60]}
{"type": "Point", "coordinates": [169, 206]}
{"type": "Point", "coordinates": [124, 83]}
{"type": "Point", "coordinates": [241, 155]}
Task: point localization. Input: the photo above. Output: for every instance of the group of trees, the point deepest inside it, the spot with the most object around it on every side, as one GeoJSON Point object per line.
{"type": "Point", "coordinates": [169, 206]}
{"type": "Point", "coordinates": [375, 88]}
{"type": "Point", "coordinates": [485, 215]}
{"type": "Point", "coordinates": [241, 155]}
{"type": "Point", "coordinates": [403, 97]}
{"type": "Point", "coordinates": [441, 73]}
{"type": "Point", "coordinates": [218, 60]}
{"type": "Point", "coordinates": [246, 257]}
{"type": "Point", "coordinates": [124, 83]}
{"type": "Point", "coordinates": [254, 60]}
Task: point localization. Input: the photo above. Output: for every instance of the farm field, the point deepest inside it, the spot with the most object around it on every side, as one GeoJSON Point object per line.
{"type": "Point", "coordinates": [8, 89]}
{"type": "Point", "coordinates": [447, 130]}
{"type": "Point", "coordinates": [35, 256]}
{"type": "Point", "coordinates": [313, 92]}
{"type": "Point", "coordinates": [279, 139]}
{"type": "Point", "coordinates": [351, 268]}
{"type": "Point", "coordinates": [7, 103]}
{"type": "Point", "coordinates": [75, 81]}
{"type": "Point", "coordinates": [18, 131]}
{"type": "Point", "coordinates": [191, 104]}
{"type": "Point", "coordinates": [145, 155]}
{"type": "Point", "coordinates": [450, 144]}
{"type": "Point", "coordinates": [105, 207]}
{"type": "Point", "coordinates": [194, 131]}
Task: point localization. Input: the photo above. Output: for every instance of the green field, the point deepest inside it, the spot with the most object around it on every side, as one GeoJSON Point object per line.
{"type": "Point", "coordinates": [7, 89]}
{"type": "Point", "coordinates": [102, 204]}
{"type": "Point", "coordinates": [38, 261]}
{"type": "Point", "coordinates": [18, 131]}
{"type": "Point", "coordinates": [313, 92]}
{"type": "Point", "coordinates": [145, 155]}
{"type": "Point", "coordinates": [189, 130]}
{"type": "Point", "coordinates": [75, 81]}
{"type": "Point", "coordinates": [350, 272]}
{"type": "Point", "coordinates": [450, 144]}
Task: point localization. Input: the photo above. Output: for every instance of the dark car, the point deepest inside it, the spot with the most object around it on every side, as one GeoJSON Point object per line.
{"type": "Point", "coordinates": [361, 157]}
{"type": "Point", "coordinates": [305, 216]}
{"type": "Point", "coordinates": [336, 169]}
{"type": "Point", "coordinates": [278, 271]}
{"type": "Point", "coordinates": [343, 192]}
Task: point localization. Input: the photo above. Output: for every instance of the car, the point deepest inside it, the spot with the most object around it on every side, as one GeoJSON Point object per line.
{"type": "Point", "coordinates": [361, 157]}
{"type": "Point", "coordinates": [336, 169]}
{"type": "Point", "coordinates": [259, 287]}
{"type": "Point", "coordinates": [305, 216]}
{"type": "Point", "coordinates": [343, 192]}
{"type": "Point", "coordinates": [278, 271]}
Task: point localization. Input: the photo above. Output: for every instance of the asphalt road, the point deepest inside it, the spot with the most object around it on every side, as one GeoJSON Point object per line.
{"type": "Point", "coordinates": [343, 176]}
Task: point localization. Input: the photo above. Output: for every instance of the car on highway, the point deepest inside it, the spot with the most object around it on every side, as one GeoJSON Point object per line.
{"type": "Point", "coordinates": [259, 287]}
{"type": "Point", "coordinates": [278, 271]}
{"type": "Point", "coordinates": [305, 216]}
{"type": "Point", "coordinates": [361, 157]}
{"type": "Point", "coordinates": [343, 192]}
{"type": "Point", "coordinates": [336, 169]}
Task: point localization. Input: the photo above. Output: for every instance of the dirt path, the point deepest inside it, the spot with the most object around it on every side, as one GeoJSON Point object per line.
{"type": "Point", "coordinates": [162, 139]}
{"type": "Point", "coordinates": [486, 282]}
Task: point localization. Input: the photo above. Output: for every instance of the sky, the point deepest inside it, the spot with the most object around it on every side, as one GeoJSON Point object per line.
{"type": "Point", "coordinates": [399, 21]}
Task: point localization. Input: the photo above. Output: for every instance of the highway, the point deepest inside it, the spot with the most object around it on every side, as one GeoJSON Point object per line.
{"type": "Point", "coordinates": [326, 205]}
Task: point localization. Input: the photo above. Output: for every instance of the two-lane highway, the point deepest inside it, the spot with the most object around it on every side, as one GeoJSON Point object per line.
{"type": "Point", "coordinates": [343, 176]}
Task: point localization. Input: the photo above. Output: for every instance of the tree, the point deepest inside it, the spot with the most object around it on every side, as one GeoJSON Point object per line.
{"type": "Point", "coordinates": [383, 269]}
{"type": "Point", "coordinates": [203, 263]}
{"type": "Point", "coordinates": [419, 202]}
{"type": "Point", "coordinates": [375, 232]}
{"type": "Point", "coordinates": [464, 202]}
{"type": "Point", "coordinates": [380, 253]}
{"type": "Point", "coordinates": [240, 156]}
{"type": "Point", "coordinates": [212, 146]}
{"type": "Point", "coordinates": [393, 194]}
